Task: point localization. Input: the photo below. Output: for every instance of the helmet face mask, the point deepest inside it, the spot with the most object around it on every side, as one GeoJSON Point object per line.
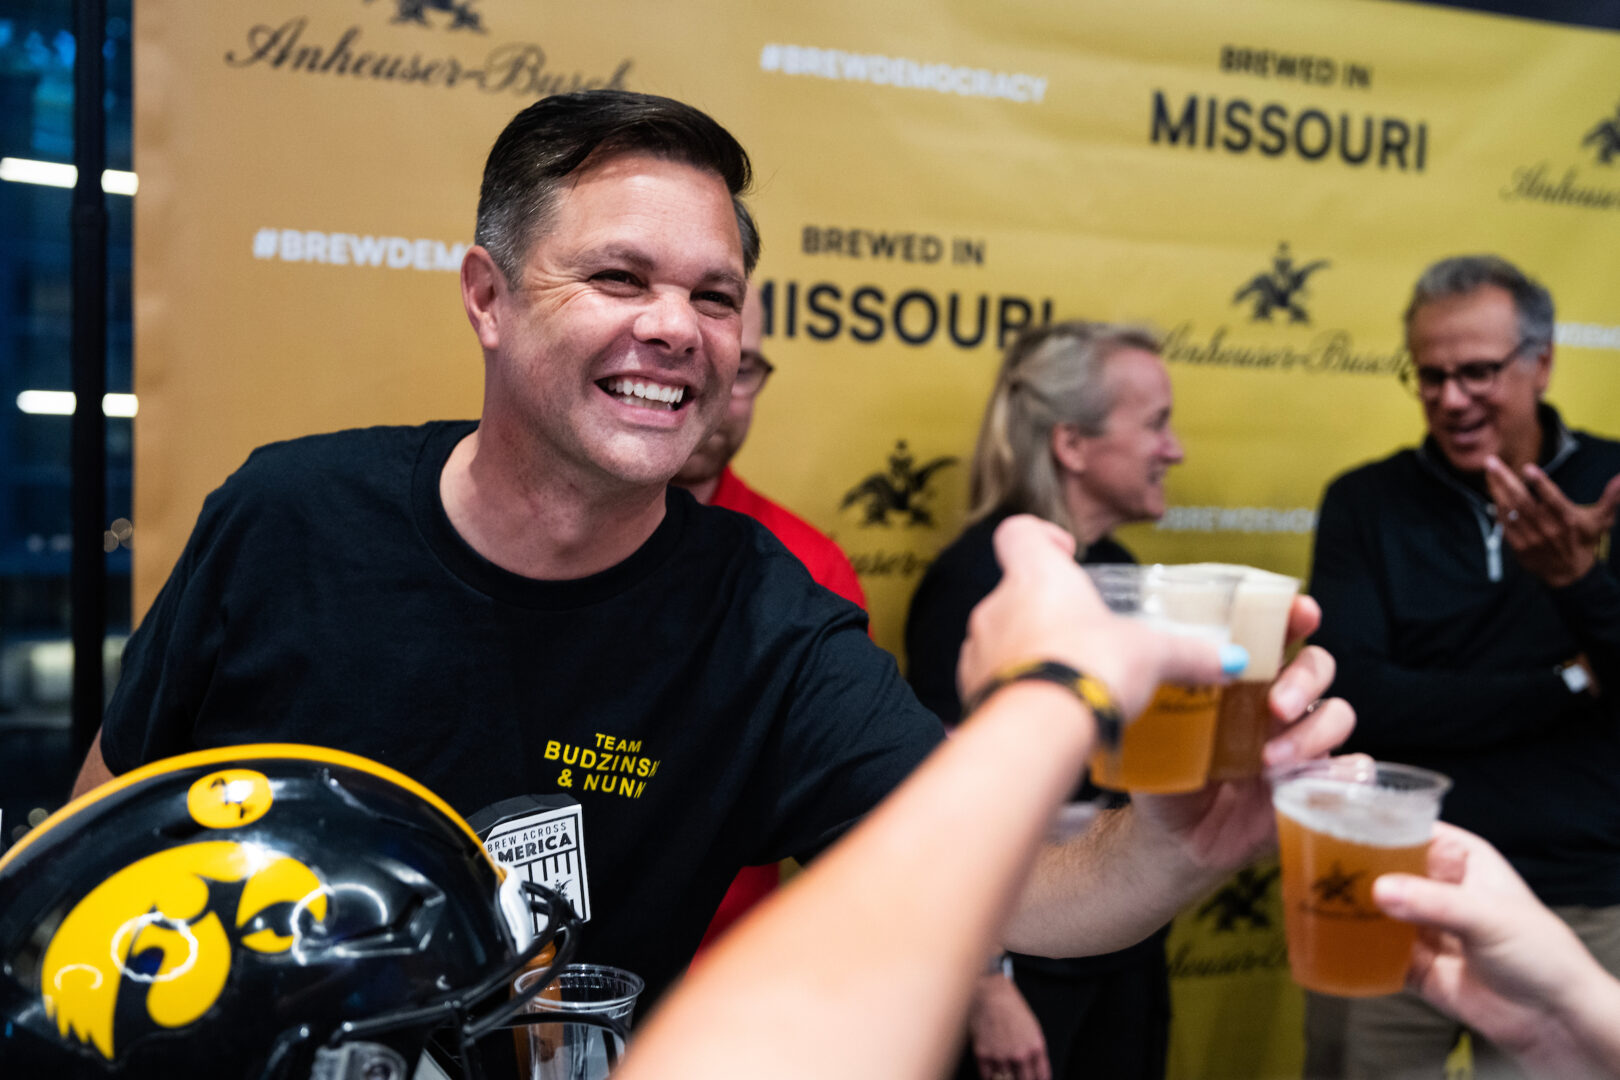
{"type": "Point", "coordinates": [249, 912]}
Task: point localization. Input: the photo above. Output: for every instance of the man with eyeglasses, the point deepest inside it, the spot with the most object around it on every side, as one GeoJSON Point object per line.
{"type": "Point", "coordinates": [1468, 594]}
{"type": "Point", "coordinates": [708, 475]}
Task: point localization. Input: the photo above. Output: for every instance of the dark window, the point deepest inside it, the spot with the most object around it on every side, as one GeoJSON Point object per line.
{"type": "Point", "coordinates": [36, 126]}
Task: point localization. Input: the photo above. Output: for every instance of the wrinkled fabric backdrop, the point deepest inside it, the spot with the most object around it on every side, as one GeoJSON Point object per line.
{"type": "Point", "coordinates": [1260, 180]}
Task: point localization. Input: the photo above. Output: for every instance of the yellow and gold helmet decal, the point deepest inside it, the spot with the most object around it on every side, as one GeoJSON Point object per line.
{"type": "Point", "coordinates": [153, 928]}
{"type": "Point", "coordinates": [156, 911]}
{"type": "Point", "coordinates": [229, 798]}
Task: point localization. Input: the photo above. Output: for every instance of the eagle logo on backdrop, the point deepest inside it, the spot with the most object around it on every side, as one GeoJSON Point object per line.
{"type": "Point", "coordinates": [1279, 288]}
{"type": "Point", "coordinates": [902, 490]}
{"type": "Point", "coordinates": [1242, 900]}
{"type": "Point", "coordinates": [462, 15]}
{"type": "Point", "coordinates": [1606, 137]}
{"type": "Point", "coordinates": [165, 926]}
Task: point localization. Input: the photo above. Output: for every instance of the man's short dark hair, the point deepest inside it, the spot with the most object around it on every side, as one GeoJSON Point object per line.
{"type": "Point", "coordinates": [1462, 274]}
{"type": "Point", "coordinates": [556, 135]}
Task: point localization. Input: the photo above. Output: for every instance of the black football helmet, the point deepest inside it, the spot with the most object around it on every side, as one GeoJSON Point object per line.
{"type": "Point", "coordinates": [274, 912]}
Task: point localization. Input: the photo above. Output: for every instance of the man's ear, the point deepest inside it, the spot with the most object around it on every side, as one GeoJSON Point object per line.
{"type": "Point", "coordinates": [1069, 447]}
{"type": "Point", "coordinates": [1544, 363]}
{"type": "Point", "coordinates": [482, 284]}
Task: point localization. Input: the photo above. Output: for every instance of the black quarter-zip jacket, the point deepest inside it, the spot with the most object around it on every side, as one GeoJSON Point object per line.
{"type": "Point", "coordinates": [1449, 650]}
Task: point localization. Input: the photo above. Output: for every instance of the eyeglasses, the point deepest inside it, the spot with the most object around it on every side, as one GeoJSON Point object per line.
{"type": "Point", "coordinates": [751, 375]}
{"type": "Point", "coordinates": [1475, 378]}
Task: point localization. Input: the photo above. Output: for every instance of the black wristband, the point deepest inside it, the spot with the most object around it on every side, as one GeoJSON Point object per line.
{"type": "Point", "coordinates": [1091, 692]}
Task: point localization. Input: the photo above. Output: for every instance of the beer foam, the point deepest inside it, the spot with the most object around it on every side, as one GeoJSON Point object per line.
{"type": "Point", "coordinates": [1358, 813]}
{"type": "Point", "coordinates": [1254, 573]}
{"type": "Point", "coordinates": [1215, 635]}
{"type": "Point", "coordinates": [1184, 597]}
{"type": "Point", "coordinates": [1259, 616]}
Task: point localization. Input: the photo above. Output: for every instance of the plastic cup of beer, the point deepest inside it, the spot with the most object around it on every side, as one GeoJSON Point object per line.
{"type": "Point", "coordinates": [1260, 624]}
{"type": "Point", "coordinates": [1167, 748]}
{"type": "Point", "coordinates": [1341, 822]}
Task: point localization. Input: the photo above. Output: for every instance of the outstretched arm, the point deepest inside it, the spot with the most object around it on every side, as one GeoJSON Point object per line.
{"type": "Point", "coordinates": [1495, 958]}
{"type": "Point", "coordinates": [863, 965]}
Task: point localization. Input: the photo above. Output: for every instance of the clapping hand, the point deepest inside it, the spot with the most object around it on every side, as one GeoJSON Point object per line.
{"type": "Point", "coordinates": [1554, 538]}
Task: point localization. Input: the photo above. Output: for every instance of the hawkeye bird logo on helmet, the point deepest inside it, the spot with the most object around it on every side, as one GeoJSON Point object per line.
{"type": "Point", "coordinates": [263, 912]}
{"type": "Point", "coordinates": [156, 923]}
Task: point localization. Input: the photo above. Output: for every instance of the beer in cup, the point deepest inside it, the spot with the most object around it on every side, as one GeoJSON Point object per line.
{"type": "Point", "coordinates": [1260, 624]}
{"type": "Point", "coordinates": [1167, 748]}
{"type": "Point", "coordinates": [1341, 822]}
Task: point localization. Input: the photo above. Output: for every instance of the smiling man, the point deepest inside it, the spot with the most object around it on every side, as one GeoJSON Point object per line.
{"type": "Point", "coordinates": [1477, 626]}
{"type": "Point", "coordinates": [640, 693]}
{"type": "Point", "coordinates": [519, 611]}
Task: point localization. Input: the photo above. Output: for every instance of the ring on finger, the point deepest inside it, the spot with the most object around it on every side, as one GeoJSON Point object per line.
{"type": "Point", "coordinates": [1513, 515]}
{"type": "Point", "coordinates": [1313, 706]}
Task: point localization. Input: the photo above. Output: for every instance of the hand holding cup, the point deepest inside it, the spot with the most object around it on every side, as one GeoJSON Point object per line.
{"type": "Point", "coordinates": [1046, 608]}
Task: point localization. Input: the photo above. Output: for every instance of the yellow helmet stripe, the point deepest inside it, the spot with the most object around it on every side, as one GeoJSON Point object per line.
{"type": "Point", "coordinates": [234, 754]}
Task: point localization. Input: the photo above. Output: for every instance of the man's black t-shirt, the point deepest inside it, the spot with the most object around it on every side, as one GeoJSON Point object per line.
{"type": "Point", "coordinates": [706, 704]}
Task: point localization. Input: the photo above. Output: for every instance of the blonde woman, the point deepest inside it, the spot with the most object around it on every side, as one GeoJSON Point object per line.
{"type": "Point", "coordinates": [1077, 432]}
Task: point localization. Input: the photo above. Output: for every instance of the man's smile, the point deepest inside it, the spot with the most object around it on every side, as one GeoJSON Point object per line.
{"type": "Point", "coordinates": [644, 393]}
{"type": "Point", "coordinates": [1463, 431]}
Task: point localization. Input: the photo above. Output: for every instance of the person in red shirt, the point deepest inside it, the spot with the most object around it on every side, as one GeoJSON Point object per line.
{"type": "Point", "coordinates": [707, 474]}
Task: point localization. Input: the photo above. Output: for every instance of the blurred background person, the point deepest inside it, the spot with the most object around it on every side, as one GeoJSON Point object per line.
{"type": "Point", "coordinates": [1477, 630]}
{"type": "Point", "coordinates": [1077, 432]}
{"type": "Point", "coordinates": [708, 475]}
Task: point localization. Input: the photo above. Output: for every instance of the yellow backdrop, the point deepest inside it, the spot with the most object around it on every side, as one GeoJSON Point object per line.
{"type": "Point", "coordinates": [1261, 179]}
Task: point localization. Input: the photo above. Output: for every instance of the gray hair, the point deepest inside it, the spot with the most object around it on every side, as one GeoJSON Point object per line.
{"type": "Point", "coordinates": [1050, 375]}
{"type": "Point", "coordinates": [1463, 274]}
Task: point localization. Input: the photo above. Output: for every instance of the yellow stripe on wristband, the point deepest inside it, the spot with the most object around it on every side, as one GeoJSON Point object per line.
{"type": "Point", "coordinates": [1090, 690]}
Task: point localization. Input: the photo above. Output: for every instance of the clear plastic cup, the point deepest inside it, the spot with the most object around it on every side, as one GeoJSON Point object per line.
{"type": "Point", "coordinates": [1260, 610]}
{"type": "Point", "coordinates": [576, 1050]}
{"type": "Point", "coordinates": [1341, 822]}
{"type": "Point", "coordinates": [1167, 748]}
